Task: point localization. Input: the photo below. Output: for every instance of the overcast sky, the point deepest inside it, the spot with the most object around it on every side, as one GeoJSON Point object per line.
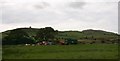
{"type": "Point", "coordinates": [60, 14]}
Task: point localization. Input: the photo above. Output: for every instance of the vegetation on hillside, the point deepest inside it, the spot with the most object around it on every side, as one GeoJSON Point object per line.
{"type": "Point", "coordinates": [33, 35]}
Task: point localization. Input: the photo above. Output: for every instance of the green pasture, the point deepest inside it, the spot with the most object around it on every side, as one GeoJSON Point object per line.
{"type": "Point", "coordinates": [79, 51]}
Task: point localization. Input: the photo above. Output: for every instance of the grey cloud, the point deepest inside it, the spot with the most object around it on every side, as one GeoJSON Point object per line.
{"type": "Point", "coordinates": [41, 5]}
{"type": "Point", "coordinates": [77, 4]}
{"type": "Point", "coordinates": [15, 16]}
{"type": "Point", "coordinates": [63, 16]}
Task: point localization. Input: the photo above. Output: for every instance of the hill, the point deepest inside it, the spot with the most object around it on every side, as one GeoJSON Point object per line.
{"type": "Point", "coordinates": [87, 33]}
{"type": "Point", "coordinates": [86, 36]}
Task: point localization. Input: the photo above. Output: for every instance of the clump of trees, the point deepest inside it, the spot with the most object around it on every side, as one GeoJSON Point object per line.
{"type": "Point", "coordinates": [46, 34]}
{"type": "Point", "coordinates": [16, 36]}
{"type": "Point", "coordinates": [19, 36]}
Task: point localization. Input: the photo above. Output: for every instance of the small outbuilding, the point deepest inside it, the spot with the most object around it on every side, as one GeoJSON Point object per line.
{"type": "Point", "coordinates": [70, 41]}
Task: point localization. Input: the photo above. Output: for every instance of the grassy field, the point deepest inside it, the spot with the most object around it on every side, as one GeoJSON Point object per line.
{"type": "Point", "coordinates": [80, 51]}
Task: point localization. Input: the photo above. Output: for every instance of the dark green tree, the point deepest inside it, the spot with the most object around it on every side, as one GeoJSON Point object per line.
{"type": "Point", "coordinates": [17, 36]}
{"type": "Point", "coordinates": [45, 34]}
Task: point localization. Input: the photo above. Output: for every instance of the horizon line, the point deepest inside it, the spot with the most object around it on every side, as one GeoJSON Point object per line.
{"type": "Point", "coordinates": [61, 30]}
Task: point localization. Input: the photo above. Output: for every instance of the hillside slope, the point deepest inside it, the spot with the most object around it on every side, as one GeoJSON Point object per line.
{"type": "Point", "coordinates": [95, 35]}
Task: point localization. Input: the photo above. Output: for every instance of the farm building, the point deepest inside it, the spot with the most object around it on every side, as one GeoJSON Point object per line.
{"type": "Point", "coordinates": [71, 41]}
{"type": "Point", "coordinates": [68, 41]}
{"type": "Point", "coordinates": [45, 43]}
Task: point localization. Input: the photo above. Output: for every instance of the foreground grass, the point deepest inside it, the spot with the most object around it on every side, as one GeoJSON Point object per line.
{"type": "Point", "coordinates": [84, 51]}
